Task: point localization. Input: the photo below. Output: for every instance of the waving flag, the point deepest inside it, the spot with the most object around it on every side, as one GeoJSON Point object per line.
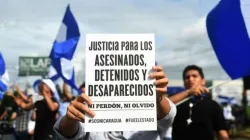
{"type": "Point", "coordinates": [1, 95]}
{"type": "Point", "coordinates": [4, 77]}
{"type": "Point", "coordinates": [228, 100]}
{"type": "Point", "coordinates": [228, 27]}
{"type": "Point", "coordinates": [36, 84]}
{"type": "Point", "coordinates": [53, 75]}
{"type": "Point", "coordinates": [64, 48]}
{"type": "Point", "coordinates": [174, 90]}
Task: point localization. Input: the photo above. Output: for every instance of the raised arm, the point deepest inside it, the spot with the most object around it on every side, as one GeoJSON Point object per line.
{"type": "Point", "coordinates": [3, 114]}
{"type": "Point", "coordinates": [21, 94]}
{"type": "Point", "coordinates": [163, 106]}
{"type": "Point", "coordinates": [66, 91]}
{"type": "Point", "coordinates": [69, 126]}
{"type": "Point", "coordinates": [21, 103]}
{"type": "Point", "coordinates": [27, 106]}
{"type": "Point", "coordinates": [195, 91]}
{"type": "Point", "coordinates": [53, 106]}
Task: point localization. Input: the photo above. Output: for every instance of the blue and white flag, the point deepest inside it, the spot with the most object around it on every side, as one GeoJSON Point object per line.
{"type": "Point", "coordinates": [1, 95]}
{"type": "Point", "coordinates": [64, 48]}
{"type": "Point", "coordinates": [174, 90]}
{"type": "Point", "coordinates": [36, 85]}
{"type": "Point", "coordinates": [53, 75]}
{"type": "Point", "coordinates": [227, 99]}
{"type": "Point", "coordinates": [4, 76]}
{"type": "Point", "coordinates": [228, 27]}
{"type": "Point", "coordinates": [224, 99]}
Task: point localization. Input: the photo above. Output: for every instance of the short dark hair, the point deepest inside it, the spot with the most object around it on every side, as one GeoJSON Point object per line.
{"type": "Point", "coordinates": [82, 85]}
{"type": "Point", "coordinates": [193, 67]}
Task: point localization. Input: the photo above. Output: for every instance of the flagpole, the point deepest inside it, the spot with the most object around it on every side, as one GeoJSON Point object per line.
{"type": "Point", "coordinates": [210, 88]}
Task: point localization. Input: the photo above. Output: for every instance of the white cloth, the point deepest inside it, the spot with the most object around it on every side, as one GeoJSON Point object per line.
{"type": "Point", "coordinates": [227, 111]}
{"type": "Point", "coordinates": [63, 108]}
{"type": "Point", "coordinates": [52, 86]}
{"type": "Point", "coordinates": [169, 133]}
{"type": "Point", "coordinates": [162, 126]}
{"type": "Point", "coordinates": [31, 125]}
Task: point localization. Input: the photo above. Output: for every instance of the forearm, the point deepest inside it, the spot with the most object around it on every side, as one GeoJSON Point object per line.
{"type": "Point", "coordinates": [68, 127]}
{"type": "Point", "coordinates": [65, 88]}
{"type": "Point", "coordinates": [66, 91]}
{"type": "Point", "coordinates": [3, 115]}
{"type": "Point", "coordinates": [33, 115]}
{"type": "Point", "coordinates": [69, 96]}
{"type": "Point", "coordinates": [13, 116]}
{"type": "Point", "coordinates": [223, 135]}
{"type": "Point", "coordinates": [163, 107]}
{"type": "Point", "coordinates": [50, 103]}
{"type": "Point", "coordinates": [179, 96]}
{"type": "Point", "coordinates": [22, 96]}
{"type": "Point", "coordinates": [26, 106]}
{"type": "Point", "coordinates": [17, 101]}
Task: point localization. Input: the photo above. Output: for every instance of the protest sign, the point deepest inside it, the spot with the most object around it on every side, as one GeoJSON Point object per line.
{"type": "Point", "coordinates": [117, 70]}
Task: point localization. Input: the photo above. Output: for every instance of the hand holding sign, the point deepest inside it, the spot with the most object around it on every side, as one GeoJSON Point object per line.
{"type": "Point", "coordinates": [118, 82]}
{"type": "Point", "coordinates": [77, 108]}
{"type": "Point", "coordinates": [161, 81]}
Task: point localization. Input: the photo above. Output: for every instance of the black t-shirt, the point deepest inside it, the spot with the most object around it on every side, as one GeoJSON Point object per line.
{"type": "Point", "coordinates": [207, 119]}
{"type": "Point", "coordinates": [45, 120]}
{"type": "Point", "coordinates": [2, 109]}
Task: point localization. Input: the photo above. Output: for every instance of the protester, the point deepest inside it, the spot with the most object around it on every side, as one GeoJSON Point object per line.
{"type": "Point", "coordinates": [21, 117]}
{"type": "Point", "coordinates": [71, 126]}
{"type": "Point", "coordinates": [200, 117]}
{"type": "Point", "coordinates": [9, 106]}
{"type": "Point", "coordinates": [3, 112]}
{"type": "Point", "coordinates": [65, 102]}
{"type": "Point", "coordinates": [69, 95]}
{"type": "Point", "coordinates": [46, 110]}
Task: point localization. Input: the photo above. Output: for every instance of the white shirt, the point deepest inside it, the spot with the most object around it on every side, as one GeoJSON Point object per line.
{"type": "Point", "coordinates": [162, 128]}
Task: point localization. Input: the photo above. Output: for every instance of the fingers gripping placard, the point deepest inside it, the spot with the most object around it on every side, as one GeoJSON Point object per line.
{"type": "Point", "coordinates": [117, 70]}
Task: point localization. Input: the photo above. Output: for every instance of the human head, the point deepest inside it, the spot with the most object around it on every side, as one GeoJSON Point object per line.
{"type": "Point", "coordinates": [43, 88]}
{"type": "Point", "coordinates": [193, 75]}
{"type": "Point", "coordinates": [49, 88]}
{"type": "Point", "coordinates": [82, 87]}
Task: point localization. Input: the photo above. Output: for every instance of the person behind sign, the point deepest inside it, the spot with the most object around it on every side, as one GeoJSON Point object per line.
{"type": "Point", "coordinates": [200, 117]}
{"type": "Point", "coordinates": [71, 126]}
{"type": "Point", "coordinates": [69, 96]}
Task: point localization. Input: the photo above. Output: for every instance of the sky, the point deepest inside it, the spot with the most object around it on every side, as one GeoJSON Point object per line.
{"type": "Point", "coordinates": [29, 27]}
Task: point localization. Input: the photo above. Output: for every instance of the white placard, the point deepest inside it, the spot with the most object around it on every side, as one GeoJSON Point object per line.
{"type": "Point", "coordinates": [117, 71]}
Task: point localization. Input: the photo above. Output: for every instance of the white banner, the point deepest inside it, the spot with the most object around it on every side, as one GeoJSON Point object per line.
{"type": "Point", "coordinates": [117, 70]}
{"type": "Point", "coordinates": [229, 91]}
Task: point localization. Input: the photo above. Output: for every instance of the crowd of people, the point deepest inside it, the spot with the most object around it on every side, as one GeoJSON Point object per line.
{"type": "Point", "coordinates": [33, 115]}
{"type": "Point", "coordinates": [44, 116]}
